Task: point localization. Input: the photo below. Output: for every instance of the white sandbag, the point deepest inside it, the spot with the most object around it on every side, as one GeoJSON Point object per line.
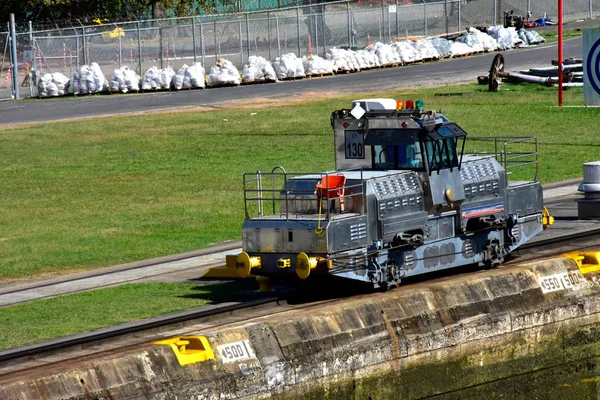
{"type": "Point", "coordinates": [223, 73]}
{"type": "Point", "coordinates": [367, 59]}
{"type": "Point", "coordinates": [124, 80]}
{"type": "Point", "coordinates": [530, 37]}
{"type": "Point", "coordinates": [258, 69]}
{"type": "Point", "coordinates": [314, 65]}
{"type": "Point", "coordinates": [289, 66]}
{"type": "Point", "coordinates": [89, 79]}
{"type": "Point", "coordinates": [507, 38]}
{"type": "Point", "coordinates": [386, 53]}
{"type": "Point", "coordinates": [478, 41]}
{"type": "Point", "coordinates": [441, 45]}
{"type": "Point", "coordinates": [52, 85]}
{"type": "Point", "coordinates": [343, 60]}
{"type": "Point", "coordinates": [459, 49]}
{"type": "Point", "coordinates": [407, 51]}
{"type": "Point", "coordinates": [426, 49]}
{"type": "Point", "coordinates": [189, 77]}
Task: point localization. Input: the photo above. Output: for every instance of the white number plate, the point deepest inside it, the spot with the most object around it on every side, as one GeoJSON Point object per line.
{"type": "Point", "coordinates": [236, 351]}
{"type": "Point", "coordinates": [571, 280]}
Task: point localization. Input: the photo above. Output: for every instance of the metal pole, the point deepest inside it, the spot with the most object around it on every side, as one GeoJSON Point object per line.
{"type": "Point", "coordinates": [161, 47]}
{"type": "Point", "coordinates": [528, 9]}
{"type": "Point", "coordinates": [120, 52]}
{"type": "Point", "coordinates": [32, 44]}
{"type": "Point", "coordinates": [269, 32]}
{"type": "Point", "coordinates": [194, 37]}
{"type": "Point", "coordinates": [298, 28]}
{"type": "Point", "coordinates": [85, 60]}
{"type": "Point", "coordinates": [382, 20]}
{"type": "Point", "coordinates": [446, 14]}
{"type": "Point", "coordinates": [591, 10]}
{"type": "Point", "coordinates": [248, 33]}
{"type": "Point", "coordinates": [241, 43]}
{"type": "Point", "coordinates": [216, 45]}
{"type": "Point", "coordinates": [13, 57]}
{"type": "Point", "coordinates": [459, 28]}
{"type": "Point", "coordinates": [78, 55]}
{"type": "Point", "coordinates": [349, 25]}
{"type": "Point", "coordinates": [561, 66]}
{"type": "Point", "coordinates": [397, 20]}
{"type": "Point", "coordinates": [139, 35]}
{"type": "Point", "coordinates": [495, 12]}
{"type": "Point", "coordinates": [316, 25]}
{"type": "Point", "coordinates": [389, 27]}
{"type": "Point", "coordinates": [202, 45]}
{"type": "Point", "coordinates": [425, 12]}
{"type": "Point", "coordinates": [278, 44]}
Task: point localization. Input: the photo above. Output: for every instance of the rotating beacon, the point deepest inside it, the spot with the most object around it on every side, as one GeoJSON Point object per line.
{"type": "Point", "coordinates": [403, 200]}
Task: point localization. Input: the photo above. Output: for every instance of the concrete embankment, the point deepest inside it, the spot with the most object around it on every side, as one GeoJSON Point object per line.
{"type": "Point", "coordinates": [527, 331]}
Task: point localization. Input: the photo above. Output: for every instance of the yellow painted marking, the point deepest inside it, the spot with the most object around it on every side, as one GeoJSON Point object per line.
{"type": "Point", "coordinates": [189, 349]}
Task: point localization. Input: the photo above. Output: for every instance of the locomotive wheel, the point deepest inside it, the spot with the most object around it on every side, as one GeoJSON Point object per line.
{"type": "Point", "coordinates": [495, 69]}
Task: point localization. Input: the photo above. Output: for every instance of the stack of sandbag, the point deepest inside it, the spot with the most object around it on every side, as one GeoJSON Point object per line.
{"type": "Point", "coordinates": [459, 49]}
{"type": "Point", "coordinates": [530, 37]}
{"type": "Point", "coordinates": [189, 77]}
{"type": "Point", "coordinates": [89, 79]}
{"type": "Point", "coordinates": [426, 49]}
{"type": "Point", "coordinates": [407, 51]}
{"type": "Point", "coordinates": [442, 46]}
{"type": "Point", "coordinates": [124, 80]}
{"type": "Point", "coordinates": [223, 73]}
{"type": "Point", "coordinates": [53, 85]}
{"type": "Point", "coordinates": [343, 60]}
{"type": "Point", "coordinates": [156, 78]}
{"type": "Point", "coordinates": [507, 38]}
{"type": "Point", "coordinates": [258, 69]}
{"type": "Point", "coordinates": [367, 59]}
{"type": "Point", "coordinates": [386, 53]}
{"type": "Point", "coordinates": [315, 65]}
{"type": "Point", "coordinates": [289, 66]}
{"type": "Point", "coordinates": [478, 41]}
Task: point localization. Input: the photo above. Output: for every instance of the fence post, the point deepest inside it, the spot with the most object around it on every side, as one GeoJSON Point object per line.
{"type": "Point", "coordinates": [425, 12]}
{"type": "Point", "coordinates": [216, 44]}
{"type": "Point", "coordinates": [241, 43]}
{"type": "Point", "coordinates": [85, 60]}
{"type": "Point", "coordinates": [382, 21]}
{"type": "Point", "coordinates": [459, 24]}
{"type": "Point", "coordinates": [446, 15]}
{"type": "Point", "coordinates": [161, 47]}
{"type": "Point", "coordinates": [278, 44]}
{"type": "Point", "coordinates": [248, 32]}
{"type": "Point", "coordinates": [397, 20]}
{"type": "Point", "coordinates": [591, 10]}
{"type": "Point", "coordinates": [120, 43]}
{"type": "Point", "coordinates": [269, 32]}
{"type": "Point", "coordinates": [349, 25]}
{"type": "Point", "coordinates": [202, 45]}
{"type": "Point", "coordinates": [194, 37]}
{"type": "Point", "coordinates": [298, 27]}
{"type": "Point", "coordinates": [139, 35]}
{"type": "Point", "coordinates": [13, 56]}
{"type": "Point", "coordinates": [495, 15]}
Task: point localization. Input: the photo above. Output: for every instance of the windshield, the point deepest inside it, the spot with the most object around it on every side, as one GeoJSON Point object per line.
{"type": "Point", "coordinates": [402, 156]}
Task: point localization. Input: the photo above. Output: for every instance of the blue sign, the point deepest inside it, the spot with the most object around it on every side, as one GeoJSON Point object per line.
{"type": "Point", "coordinates": [591, 66]}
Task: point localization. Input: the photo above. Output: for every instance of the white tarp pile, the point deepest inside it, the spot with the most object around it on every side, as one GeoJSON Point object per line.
{"type": "Point", "coordinates": [426, 49]}
{"type": "Point", "coordinates": [189, 77]}
{"type": "Point", "coordinates": [442, 46]}
{"type": "Point", "coordinates": [156, 78]}
{"type": "Point", "coordinates": [124, 80]}
{"type": "Point", "coordinates": [459, 49]}
{"type": "Point", "coordinates": [477, 40]}
{"type": "Point", "coordinates": [367, 59]}
{"type": "Point", "coordinates": [223, 73]}
{"type": "Point", "coordinates": [530, 37]}
{"type": "Point", "coordinates": [314, 65]}
{"type": "Point", "coordinates": [89, 79]}
{"type": "Point", "coordinates": [343, 60]}
{"type": "Point", "coordinates": [258, 69]}
{"type": "Point", "coordinates": [386, 53]}
{"type": "Point", "coordinates": [53, 85]}
{"type": "Point", "coordinates": [507, 38]}
{"type": "Point", "coordinates": [407, 51]}
{"type": "Point", "coordinates": [289, 66]}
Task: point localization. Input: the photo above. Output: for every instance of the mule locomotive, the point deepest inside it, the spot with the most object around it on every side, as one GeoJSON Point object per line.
{"type": "Point", "coordinates": [405, 199]}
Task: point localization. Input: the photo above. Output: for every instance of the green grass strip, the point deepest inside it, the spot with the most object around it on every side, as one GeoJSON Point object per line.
{"type": "Point", "coordinates": [44, 319]}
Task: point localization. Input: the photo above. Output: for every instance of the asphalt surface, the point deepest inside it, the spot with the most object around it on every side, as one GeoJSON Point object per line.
{"type": "Point", "coordinates": [439, 73]}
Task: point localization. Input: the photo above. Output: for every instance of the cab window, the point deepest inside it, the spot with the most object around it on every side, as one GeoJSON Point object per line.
{"type": "Point", "coordinates": [401, 156]}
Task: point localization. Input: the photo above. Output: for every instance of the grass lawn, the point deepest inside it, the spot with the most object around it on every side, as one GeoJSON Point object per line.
{"type": "Point", "coordinates": [81, 312]}
{"type": "Point", "coordinates": [93, 193]}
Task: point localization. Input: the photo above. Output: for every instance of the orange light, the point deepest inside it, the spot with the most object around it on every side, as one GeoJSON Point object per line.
{"type": "Point", "coordinates": [410, 104]}
{"type": "Point", "coordinates": [399, 104]}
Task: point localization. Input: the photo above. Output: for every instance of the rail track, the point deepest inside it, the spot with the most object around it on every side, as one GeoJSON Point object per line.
{"type": "Point", "coordinates": [139, 333]}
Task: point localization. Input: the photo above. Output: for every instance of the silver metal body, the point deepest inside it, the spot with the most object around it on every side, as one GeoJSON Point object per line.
{"type": "Point", "coordinates": [425, 208]}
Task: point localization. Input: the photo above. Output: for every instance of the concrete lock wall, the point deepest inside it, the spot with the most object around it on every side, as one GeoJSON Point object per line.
{"type": "Point", "coordinates": [515, 332]}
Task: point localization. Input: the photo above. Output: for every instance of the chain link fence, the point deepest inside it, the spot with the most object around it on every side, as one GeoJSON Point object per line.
{"type": "Point", "coordinates": [177, 41]}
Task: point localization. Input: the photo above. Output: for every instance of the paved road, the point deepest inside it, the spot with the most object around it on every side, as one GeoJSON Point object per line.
{"type": "Point", "coordinates": [431, 74]}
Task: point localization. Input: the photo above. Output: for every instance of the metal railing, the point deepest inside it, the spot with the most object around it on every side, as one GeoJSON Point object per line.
{"type": "Point", "coordinates": [296, 195]}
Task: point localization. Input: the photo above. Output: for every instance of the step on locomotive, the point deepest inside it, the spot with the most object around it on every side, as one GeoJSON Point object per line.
{"type": "Point", "coordinates": [404, 199]}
